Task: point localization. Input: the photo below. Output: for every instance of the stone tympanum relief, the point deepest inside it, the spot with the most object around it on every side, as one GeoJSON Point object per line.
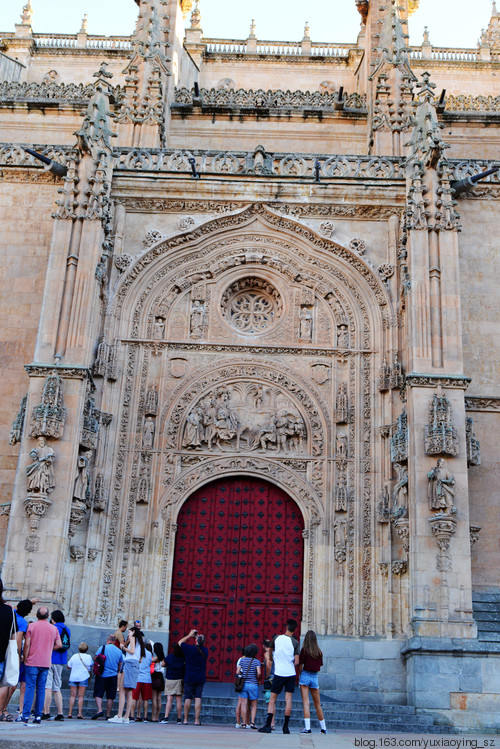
{"type": "Point", "coordinates": [245, 416]}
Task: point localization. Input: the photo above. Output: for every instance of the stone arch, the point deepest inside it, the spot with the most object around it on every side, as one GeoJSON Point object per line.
{"type": "Point", "coordinates": [337, 273]}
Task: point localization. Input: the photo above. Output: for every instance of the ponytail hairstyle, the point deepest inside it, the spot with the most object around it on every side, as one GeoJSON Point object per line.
{"type": "Point", "coordinates": [139, 638]}
{"type": "Point", "coordinates": [310, 646]}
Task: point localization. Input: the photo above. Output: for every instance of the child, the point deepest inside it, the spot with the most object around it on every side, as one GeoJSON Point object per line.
{"type": "Point", "coordinates": [310, 662]}
{"type": "Point", "coordinates": [80, 664]}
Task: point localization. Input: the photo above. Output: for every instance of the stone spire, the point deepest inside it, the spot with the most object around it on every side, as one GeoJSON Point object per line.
{"type": "Point", "coordinates": [491, 36]}
{"type": "Point", "coordinates": [391, 91]}
{"type": "Point", "coordinates": [146, 74]}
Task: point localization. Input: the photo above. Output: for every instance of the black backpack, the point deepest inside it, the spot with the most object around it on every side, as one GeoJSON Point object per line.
{"type": "Point", "coordinates": [65, 640]}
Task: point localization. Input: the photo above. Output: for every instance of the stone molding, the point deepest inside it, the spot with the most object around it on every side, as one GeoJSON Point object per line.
{"type": "Point", "coordinates": [241, 99]}
{"type": "Point", "coordinates": [481, 403]}
{"type": "Point", "coordinates": [434, 381]}
{"type": "Point", "coordinates": [67, 373]}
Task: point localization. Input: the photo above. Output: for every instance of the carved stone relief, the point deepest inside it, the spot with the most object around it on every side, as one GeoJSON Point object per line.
{"type": "Point", "coordinates": [260, 417]}
{"type": "Point", "coordinates": [472, 444]}
{"type": "Point", "coordinates": [40, 473]}
{"type": "Point", "coordinates": [440, 435]}
{"type": "Point", "coordinates": [440, 489]}
{"type": "Point", "coordinates": [47, 419]}
{"type": "Point", "coordinates": [399, 439]}
{"type": "Point", "coordinates": [17, 428]}
{"type": "Point", "coordinates": [251, 305]}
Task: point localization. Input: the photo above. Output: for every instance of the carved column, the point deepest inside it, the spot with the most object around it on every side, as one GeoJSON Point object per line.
{"type": "Point", "coordinates": [439, 551]}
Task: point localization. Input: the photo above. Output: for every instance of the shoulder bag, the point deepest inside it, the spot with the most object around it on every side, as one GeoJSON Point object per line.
{"type": "Point", "coordinates": [10, 676]}
{"type": "Point", "coordinates": [239, 682]}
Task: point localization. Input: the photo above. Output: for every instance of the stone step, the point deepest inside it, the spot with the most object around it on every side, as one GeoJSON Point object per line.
{"type": "Point", "coordinates": [485, 597]}
{"type": "Point", "coordinates": [486, 636]}
{"type": "Point", "coordinates": [487, 616]}
{"type": "Point", "coordinates": [487, 608]}
{"type": "Point", "coordinates": [488, 626]}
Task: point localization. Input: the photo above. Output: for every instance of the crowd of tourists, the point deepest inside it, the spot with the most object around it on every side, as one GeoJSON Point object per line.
{"type": "Point", "coordinates": [34, 656]}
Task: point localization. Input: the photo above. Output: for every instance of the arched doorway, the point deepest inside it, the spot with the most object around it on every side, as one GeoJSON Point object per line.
{"type": "Point", "coordinates": [238, 568]}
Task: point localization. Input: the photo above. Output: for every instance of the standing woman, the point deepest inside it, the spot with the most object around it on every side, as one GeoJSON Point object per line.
{"type": "Point", "coordinates": [249, 668]}
{"type": "Point", "coordinates": [157, 681]}
{"type": "Point", "coordinates": [310, 662]}
{"type": "Point", "coordinates": [268, 673]}
{"type": "Point", "coordinates": [133, 652]}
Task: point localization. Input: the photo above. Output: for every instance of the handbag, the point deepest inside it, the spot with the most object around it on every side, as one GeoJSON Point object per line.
{"type": "Point", "coordinates": [99, 663]}
{"type": "Point", "coordinates": [157, 681]}
{"type": "Point", "coordinates": [10, 676]}
{"type": "Point", "coordinates": [239, 682]}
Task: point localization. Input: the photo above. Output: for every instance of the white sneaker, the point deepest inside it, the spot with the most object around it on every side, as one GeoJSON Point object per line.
{"type": "Point", "coordinates": [116, 719]}
{"type": "Point", "coordinates": [238, 725]}
{"type": "Point", "coordinates": [125, 720]}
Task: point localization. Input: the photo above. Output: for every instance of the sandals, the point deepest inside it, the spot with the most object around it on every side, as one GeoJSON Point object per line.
{"type": "Point", "coordinates": [6, 718]}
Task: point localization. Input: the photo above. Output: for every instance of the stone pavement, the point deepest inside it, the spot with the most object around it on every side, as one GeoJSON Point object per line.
{"type": "Point", "coordinates": [101, 735]}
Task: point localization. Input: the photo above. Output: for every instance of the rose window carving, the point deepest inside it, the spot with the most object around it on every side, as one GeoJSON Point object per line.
{"type": "Point", "coordinates": [251, 305]}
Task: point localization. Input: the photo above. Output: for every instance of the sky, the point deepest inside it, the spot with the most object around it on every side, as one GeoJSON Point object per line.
{"type": "Point", "coordinates": [452, 23]}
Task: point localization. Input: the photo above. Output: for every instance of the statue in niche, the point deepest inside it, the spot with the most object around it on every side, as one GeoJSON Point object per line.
{"type": "Point", "coordinates": [193, 429]}
{"type": "Point", "coordinates": [341, 446]}
{"type": "Point", "coordinates": [342, 405]}
{"type": "Point", "coordinates": [268, 435]}
{"type": "Point", "coordinates": [159, 328]}
{"type": "Point", "coordinates": [306, 324]}
{"type": "Point", "coordinates": [342, 336]}
{"type": "Point", "coordinates": [151, 407]}
{"type": "Point", "coordinates": [196, 321]}
{"type": "Point", "coordinates": [41, 472]}
{"type": "Point", "coordinates": [341, 494]}
{"type": "Point", "coordinates": [440, 491]}
{"type": "Point", "coordinates": [340, 530]}
{"type": "Point", "coordinates": [148, 433]}
{"type": "Point", "coordinates": [400, 493]}
{"type": "Point", "coordinates": [81, 490]}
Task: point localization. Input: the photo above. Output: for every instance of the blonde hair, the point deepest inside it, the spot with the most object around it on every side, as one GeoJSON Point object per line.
{"type": "Point", "coordinates": [83, 647]}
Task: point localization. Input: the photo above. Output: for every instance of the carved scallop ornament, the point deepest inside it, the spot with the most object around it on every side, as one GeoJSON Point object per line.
{"type": "Point", "coordinates": [251, 305]}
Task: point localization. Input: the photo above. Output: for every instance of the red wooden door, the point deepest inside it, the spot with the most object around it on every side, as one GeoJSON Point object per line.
{"type": "Point", "coordinates": [237, 573]}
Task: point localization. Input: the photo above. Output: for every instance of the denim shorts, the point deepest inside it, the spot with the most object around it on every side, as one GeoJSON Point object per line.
{"type": "Point", "coordinates": [309, 679]}
{"type": "Point", "coordinates": [250, 691]}
{"type": "Point", "coordinates": [79, 683]}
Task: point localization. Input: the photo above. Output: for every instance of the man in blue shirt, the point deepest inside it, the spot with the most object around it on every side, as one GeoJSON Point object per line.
{"type": "Point", "coordinates": [196, 673]}
{"type": "Point", "coordinates": [106, 683]}
{"type": "Point", "coordinates": [59, 659]}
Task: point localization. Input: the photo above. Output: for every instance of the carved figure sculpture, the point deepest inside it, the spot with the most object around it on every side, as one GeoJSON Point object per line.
{"type": "Point", "coordinates": [342, 405]}
{"type": "Point", "coordinates": [192, 434]}
{"type": "Point", "coordinates": [400, 493]}
{"type": "Point", "coordinates": [268, 434]}
{"type": "Point", "coordinates": [226, 423]}
{"type": "Point", "coordinates": [340, 539]}
{"type": "Point", "coordinates": [298, 433]}
{"type": "Point", "coordinates": [306, 323]}
{"type": "Point", "coordinates": [341, 446]}
{"type": "Point", "coordinates": [148, 433]}
{"type": "Point", "coordinates": [82, 480]}
{"type": "Point", "coordinates": [159, 328]}
{"type": "Point", "coordinates": [341, 495]}
{"type": "Point", "coordinates": [284, 429]}
{"type": "Point", "coordinates": [41, 472]}
{"type": "Point", "coordinates": [440, 491]}
{"type": "Point", "coordinates": [207, 414]}
{"type": "Point", "coordinates": [197, 316]}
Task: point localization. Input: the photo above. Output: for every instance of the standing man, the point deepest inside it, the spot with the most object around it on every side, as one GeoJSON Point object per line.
{"type": "Point", "coordinates": [286, 659]}
{"type": "Point", "coordinates": [42, 638]}
{"type": "Point", "coordinates": [119, 634]}
{"type": "Point", "coordinates": [59, 659]}
{"type": "Point", "coordinates": [107, 682]}
{"type": "Point", "coordinates": [196, 673]}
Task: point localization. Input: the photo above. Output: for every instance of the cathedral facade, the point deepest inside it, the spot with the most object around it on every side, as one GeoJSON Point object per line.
{"type": "Point", "coordinates": [250, 330]}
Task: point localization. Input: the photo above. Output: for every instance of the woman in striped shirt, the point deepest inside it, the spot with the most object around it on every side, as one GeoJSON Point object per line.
{"type": "Point", "coordinates": [249, 668]}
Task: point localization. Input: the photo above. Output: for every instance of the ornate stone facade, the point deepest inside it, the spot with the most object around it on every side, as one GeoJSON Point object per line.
{"type": "Point", "coordinates": [214, 308]}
